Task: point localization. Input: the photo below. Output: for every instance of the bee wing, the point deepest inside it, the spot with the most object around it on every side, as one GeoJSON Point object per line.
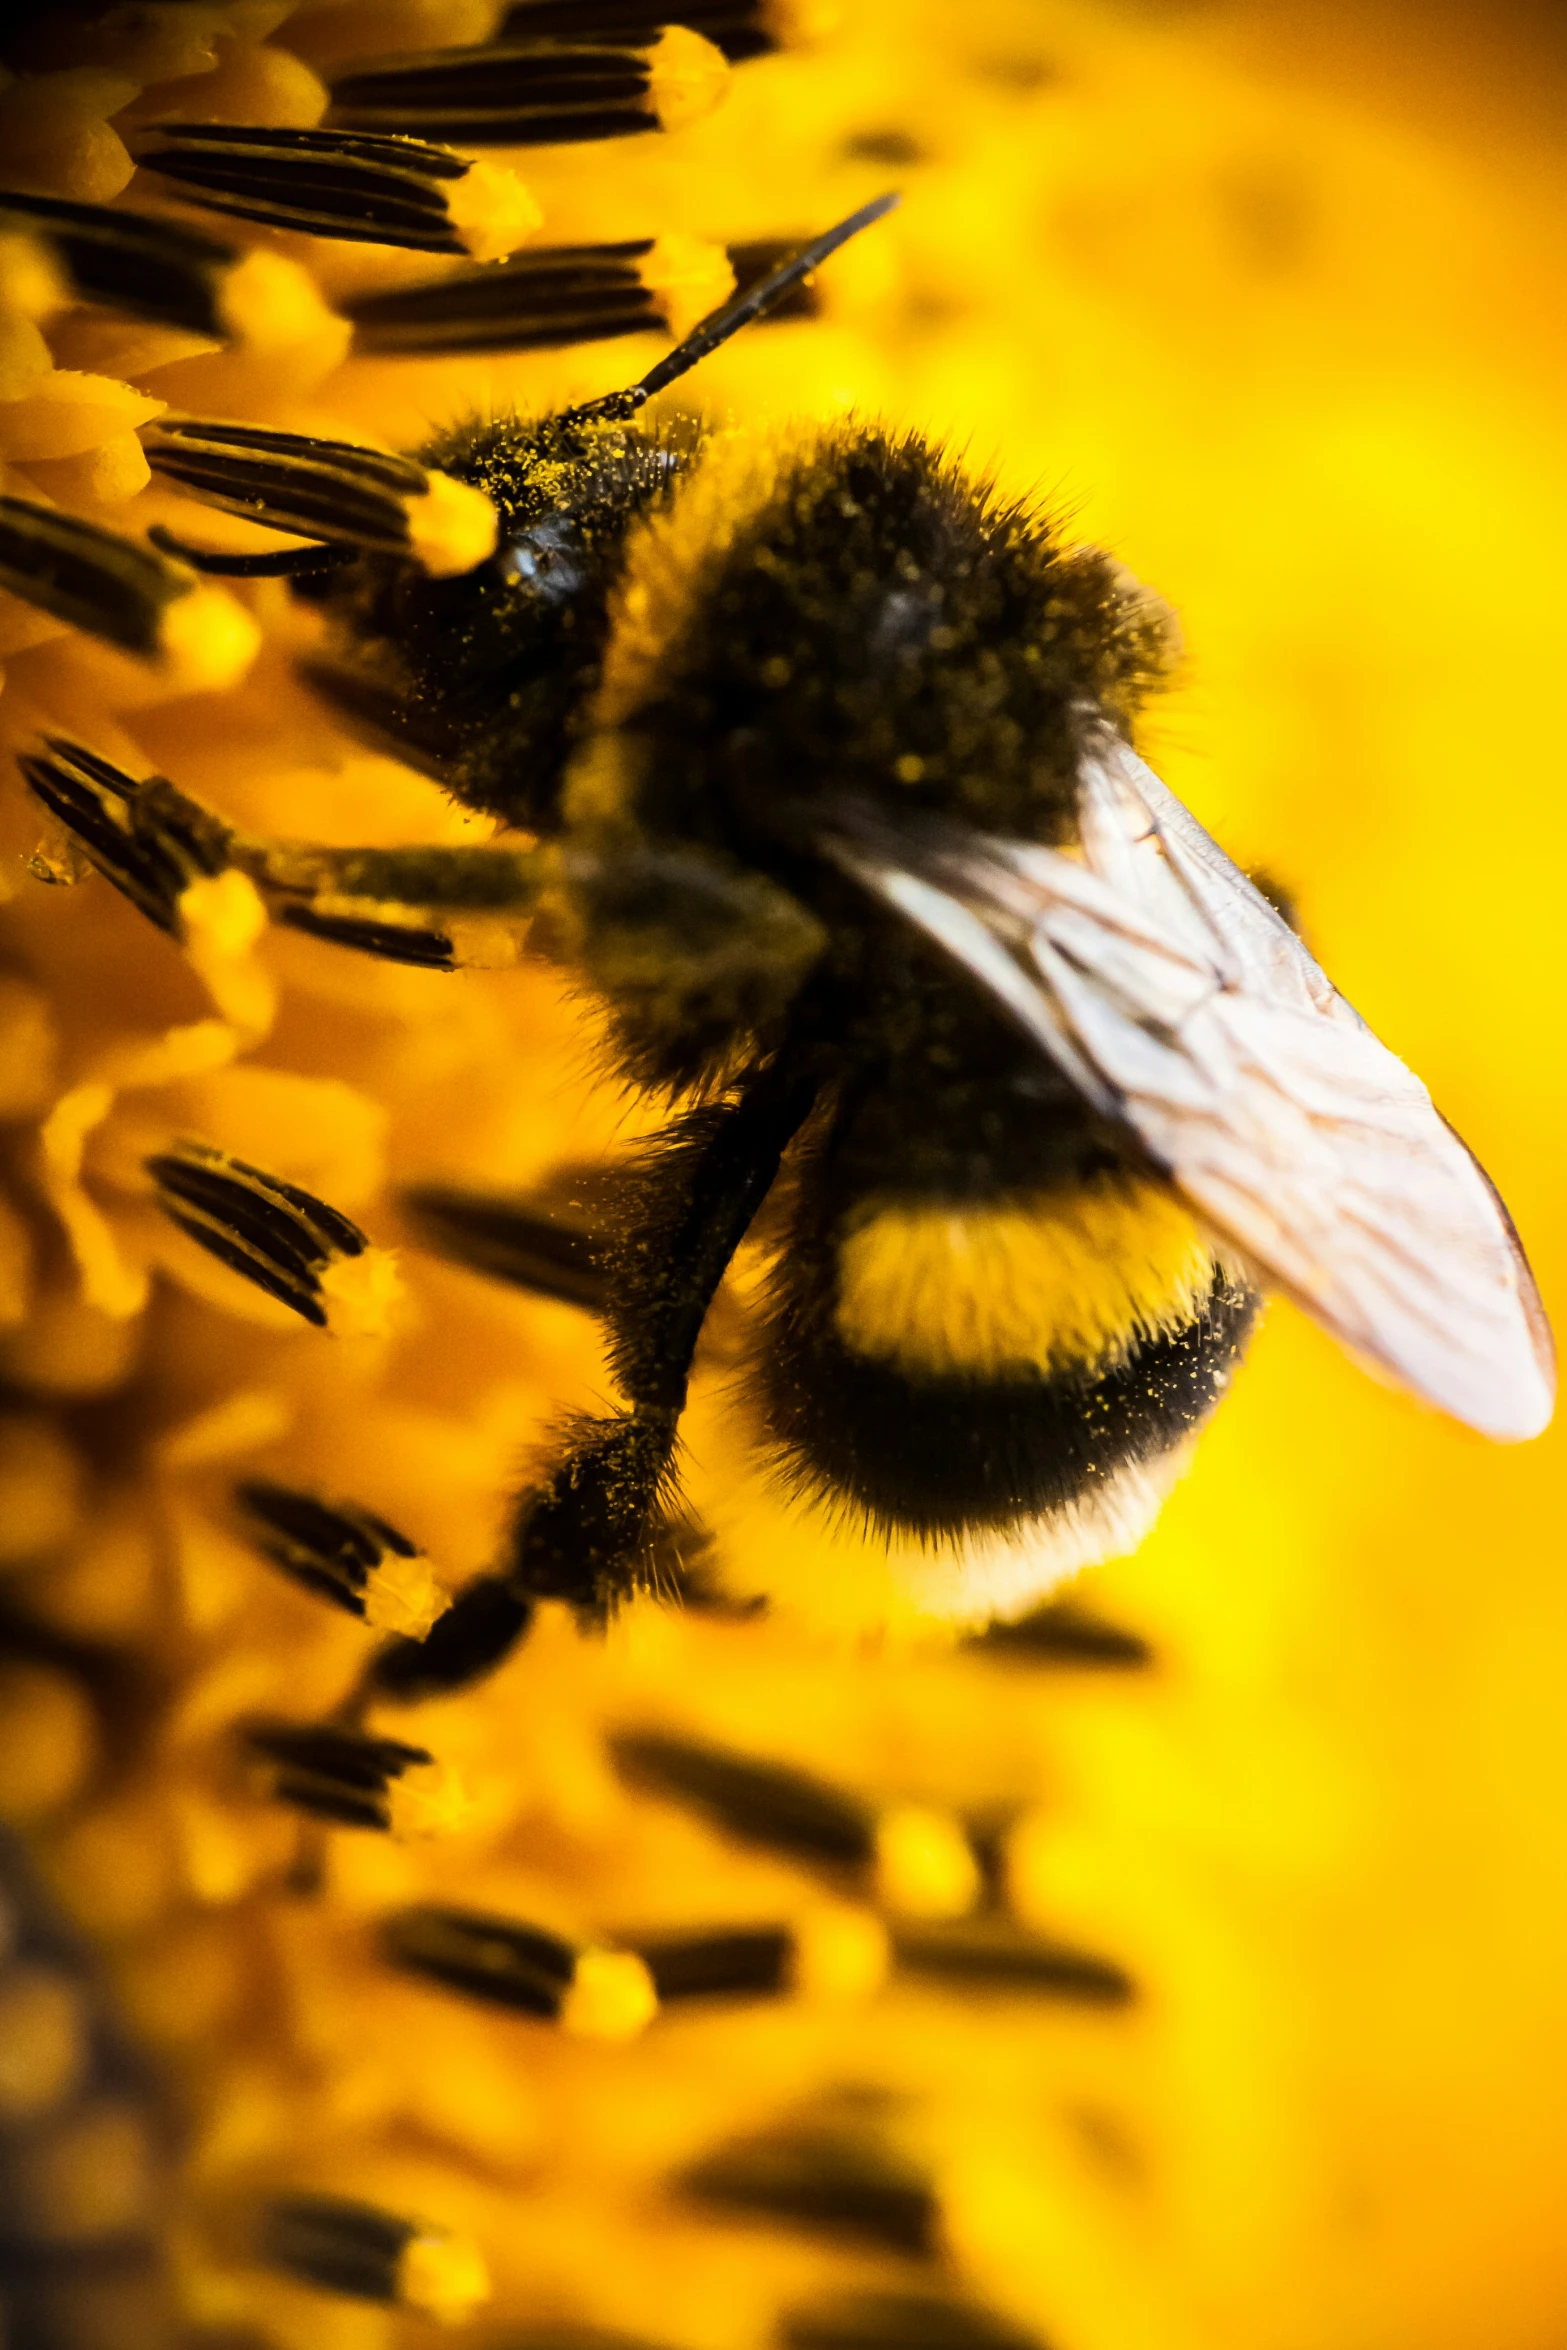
{"type": "Point", "coordinates": [1139, 838]}
{"type": "Point", "coordinates": [1174, 997]}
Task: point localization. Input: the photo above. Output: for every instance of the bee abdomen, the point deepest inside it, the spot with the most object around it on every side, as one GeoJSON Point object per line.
{"type": "Point", "coordinates": [1035, 1284]}
{"type": "Point", "coordinates": [954, 1366]}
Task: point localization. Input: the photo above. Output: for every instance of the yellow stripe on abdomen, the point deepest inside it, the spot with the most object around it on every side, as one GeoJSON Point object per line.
{"type": "Point", "coordinates": [1046, 1282]}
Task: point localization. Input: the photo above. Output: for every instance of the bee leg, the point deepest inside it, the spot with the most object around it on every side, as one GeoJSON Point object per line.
{"type": "Point", "coordinates": [584, 1534]}
{"type": "Point", "coordinates": [442, 908]}
{"type": "Point", "coordinates": [155, 844]}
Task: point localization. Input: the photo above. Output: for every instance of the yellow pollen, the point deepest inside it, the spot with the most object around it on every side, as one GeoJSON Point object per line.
{"type": "Point", "coordinates": [403, 1596]}
{"type": "Point", "coordinates": [275, 308]}
{"type": "Point", "coordinates": [362, 1294]}
{"type": "Point", "coordinates": [925, 1865]}
{"type": "Point", "coordinates": [611, 1997]}
{"type": "Point", "coordinates": [689, 276]}
{"type": "Point", "coordinates": [841, 1953]}
{"type": "Point", "coordinates": [1064, 1278]}
{"type": "Point", "coordinates": [452, 527]}
{"type": "Point", "coordinates": [688, 76]}
{"type": "Point", "coordinates": [427, 1800]}
{"type": "Point", "coordinates": [492, 211]}
{"type": "Point", "coordinates": [222, 918]}
{"type": "Point", "coordinates": [484, 942]}
{"type": "Point", "coordinates": [444, 2276]}
{"type": "Point", "coordinates": [206, 641]}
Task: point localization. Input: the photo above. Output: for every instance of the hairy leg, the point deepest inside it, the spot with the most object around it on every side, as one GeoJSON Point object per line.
{"type": "Point", "coordinates": [583, 1534]}
{"type": "Point", "coordinates": [154, 843]}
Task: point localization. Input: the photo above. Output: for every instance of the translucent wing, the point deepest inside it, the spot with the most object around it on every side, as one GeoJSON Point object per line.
{"type": "Point", "coordinates": [1175, 998]}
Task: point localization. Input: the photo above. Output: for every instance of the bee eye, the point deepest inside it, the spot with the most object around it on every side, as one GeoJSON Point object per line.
{"type": "Point", "coordinates": [547, 558]}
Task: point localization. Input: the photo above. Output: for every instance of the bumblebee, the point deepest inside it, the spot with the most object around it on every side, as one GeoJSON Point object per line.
{"type": "Point", "coordinates": [814, 761]}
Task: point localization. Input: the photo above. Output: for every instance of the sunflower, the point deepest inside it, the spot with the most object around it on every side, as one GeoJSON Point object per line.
{"type": "Point", "coordinates": [1177, 1969]}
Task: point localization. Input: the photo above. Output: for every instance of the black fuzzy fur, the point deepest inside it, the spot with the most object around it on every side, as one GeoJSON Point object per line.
{"type": "Point", "coordinates": [488, 675]}
{"type": "Point", "coordinates": [882, 607]}
{"type": "Point", "coordinates": [959, 1115]}
{"type": "Point", "coordinates": [941, 1456]}
{"type": "Point", "coordinates": [883, 632]}
{"type": "Point", "coordinates": [588, 1533]}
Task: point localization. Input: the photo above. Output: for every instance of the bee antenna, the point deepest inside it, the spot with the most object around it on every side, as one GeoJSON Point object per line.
{"type": "Point", "coordinates": [739, 311]}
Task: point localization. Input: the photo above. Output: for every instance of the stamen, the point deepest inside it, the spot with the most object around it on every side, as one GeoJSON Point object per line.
{"type": "Point", "coordinates": [1003, 1958]}
{"type": "Point", "coordinates": [165, 852]}
{"type": "Point", "coordinates": [355, 1780]}
{"type": "Point", "coordinates": [492, 1959]}
{"type": "Point", "coordinates": [917, 1858]}
{"type": "Point", "coordinates": [335, 491]}
{"type": "Point", "coordinates": [151, 844]}
{"type": "Point", "coordinates": [527, 1245]}
{"type": "Point", "coordinates": [841, 1954]}
{"type": "Point", "coordinates": [170, 858]}
{"type": "Point", "coordinates": [832, 1953]}
{"type": "Point", "coordinates": [290, 481]}
{"type": "Point", "coordinates": [926, 1866]}
{"type": "Point", "coordinates": [740, 28]}
{"type": "Point", "coordinates": [535, 93]}
{"type": "Point", "coordinates": [611, 1997]}
{"type": "Point", "coordinates": [346, 1554]}
{"type": "Point", "coordinates": [358, 186]}
{"type": "Point", "coordinates": [751, 1962]}
{"type": "Point", "coordinates": [1061, 1633]}
{"type": "Point", "coordinates": [121, 591]}
{"type": "Point", "coordinates": [898, 2321]}
{"type": "Point", "coordinates": [372, 2255]}
{"type": "Point", "coordinates": [480, 1628]}
{"type": "Point", "coordinates": [758, 1802]}
{"type": "Point", "coordinates": [285, 1240]}
{"type": "Point", "coordinates": [160, 270]}
{"type": "Point", "coordinates": [548, 296]}
{"type": "Point", "coordinates": [844, 2184]}
{"type": "Point", "coordinates": [177, 276]}
{"type": "Point", "coordinates": [594, 1993]}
